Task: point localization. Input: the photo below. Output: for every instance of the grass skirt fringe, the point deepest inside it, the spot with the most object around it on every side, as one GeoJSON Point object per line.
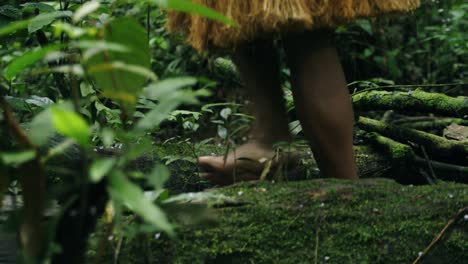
{"type": "Point", "coordinates": [263, 17]}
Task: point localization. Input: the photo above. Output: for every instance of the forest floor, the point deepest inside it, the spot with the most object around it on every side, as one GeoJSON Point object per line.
{"type": "Point", "coordinates": [308, 221]}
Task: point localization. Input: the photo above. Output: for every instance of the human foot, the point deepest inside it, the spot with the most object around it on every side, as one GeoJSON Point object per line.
{"type": "Point", "coordinates": [248, 162]}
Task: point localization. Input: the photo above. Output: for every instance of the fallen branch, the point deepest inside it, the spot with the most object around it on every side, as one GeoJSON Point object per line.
{"type": "Point", "coordinates": [446, 171]}
{"type": "Point", "coordinates": [414, 101]}
{"type": "Point", "coordinates": [430, 124]}
{"type": "Point", "coordinates": [436, 146]}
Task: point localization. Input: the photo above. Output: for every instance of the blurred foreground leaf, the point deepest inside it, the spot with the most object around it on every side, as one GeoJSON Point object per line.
{"type": "Point", "coordinates": [129, 194]}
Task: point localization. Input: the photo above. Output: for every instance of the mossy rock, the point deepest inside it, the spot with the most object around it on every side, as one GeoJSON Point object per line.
{"type": "Point", "coordinates": [320, 221]}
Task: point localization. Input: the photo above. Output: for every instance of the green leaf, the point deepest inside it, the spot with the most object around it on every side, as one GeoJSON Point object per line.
{"type": "Point", "coordinates": [17, 158]}
{"type": "Point", "coordinates": [45, 19]}
{"type": "Point", "coordinates": [129, 194]}
{"type": "Point", "coordinates": [39, 101]}
{"type": "Point", "coordinates": [14, 26]}
{"type": "Point", "coordinates": [222, 132]}
{"type": "Point", "coordinates": [158, 176]}
{"type": "Point", "coordinates": [92, 48]}
{"type": "Point", "coordinates": [17, 104]}
{"type": "Point", "coordinates": [226, 113]}
{"type": "Point", "coordinates": [157, 115]}
{"type": "Point", "coordinates": [27, 59]}
{"type": "Point", "coordinates": [41, 128]}
{"type": "Point", "coordinates": [170, 96]}
{"type": "Point", "coordinates": [164, 88]}
{"type": "Point", "coordinates": [10, 11]}
{"type": "Point", "coordinates": [86, 9]}
{"type": "Point", "coordinates": [365, 25]}
{"type": "Point", "coordinates": [40, 6]}
{"type": "Point", "coordinates": [109, 67]}
{"type": "Point", "coordinates": [100, 168]}
{"type": "Point", "coordinates": [194, 8]}
{"type": "Point", "coordinates": [122, 72]}
{"type": "Point", "coordinates": [71, 124]}
{"type": "Point", "coordinates": [107, 136]}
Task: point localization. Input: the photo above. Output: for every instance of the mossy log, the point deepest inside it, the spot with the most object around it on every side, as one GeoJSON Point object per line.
{"type": "Point", "coordinates": [317, 221]}
{"type": "Point", "coordinates": [407, 165]}
{"type": "Point", "coordinates": [413, 101]}
{"type": "Point", "coordinates": [430, 124]}
{"type": "Point", "coordinates": [438, 147]}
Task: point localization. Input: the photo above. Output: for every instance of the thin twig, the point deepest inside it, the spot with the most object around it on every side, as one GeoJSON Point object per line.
{"type": "Point", "coordinates": [437, 238]}
{"type": "Point", "coordinates": [117, 250]}
{"type": "Point", "coordinates": [429, 164]}
{"type": "Point", "coordinates": [316, 244]}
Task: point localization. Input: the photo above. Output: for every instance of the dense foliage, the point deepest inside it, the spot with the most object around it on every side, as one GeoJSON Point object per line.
{"type": "Point", "coordinates": [101, 81]}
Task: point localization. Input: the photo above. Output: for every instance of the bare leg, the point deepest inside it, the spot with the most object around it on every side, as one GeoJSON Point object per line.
{"type": "Point", "coordinates": [322, 101]}
{"type": "Point", "coordinates": [259, 69]}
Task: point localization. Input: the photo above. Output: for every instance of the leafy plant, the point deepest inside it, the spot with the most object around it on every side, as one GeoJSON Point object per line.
{"type": "Point", "coordinates": [102, 91]}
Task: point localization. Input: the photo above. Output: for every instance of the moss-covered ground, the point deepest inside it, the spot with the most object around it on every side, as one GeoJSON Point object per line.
{"type": "Point", "coordinates": [319, 221]}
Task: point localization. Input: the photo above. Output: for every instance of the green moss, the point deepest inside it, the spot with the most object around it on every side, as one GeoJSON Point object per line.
{"type": "Point", "coordinates": [416, 101]}
{"type": "Point", "coordinates": [370, 221]}
{"type": "Point", "coordinates": [397, 151]}
{"type": "Point", "coordinates": [436, 146]}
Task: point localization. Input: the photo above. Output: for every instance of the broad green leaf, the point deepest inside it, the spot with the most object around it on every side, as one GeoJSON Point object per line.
{"type": "Point", "coordinates": [122, 72]}
{"type": "Point", "coordinates": [183, 113]}
{"type": "Point", "coordinates": [17, 158]}
{"type": "Point", "coordinates": [130, 195]}
{"type": "Point", "coordinates": [41, 128]}
{"type": "Point", "coordinates": [124, 97]}
{"type": "Point", "coordinates": [92, 48]}
{"type": "Point", "coordinates": [72, 31]}
{"type": "Point", "coordinates": [40, 6]}
{"type": "Point", "coordinates": [194, 8]}
{"type": "Point", "coordinates": [158, 176]}
{"type": "Point", "coordinates": [10, 11]}
{"type": "Point", "coordinates": [39, 101]}
{"type": "Point", "coordinates": [58, 149]}
{"type": "Point", "coordinates": [45, 19]}
{"type": "Point", "coordinates": [163, 88]}
{"type": "Point", "coordinates": [75, 69]}
{"type": "Point", "coordinates": [107, 136]}
{"type": "Point", "coordinates": [27, 59]}
{"type": "Point", "coordinates": [86, 9]}
{"type": "Point", "coordinates": [17, 104]}
{"type": "Point", "coordinates": [109, 67]}
{"type": "Point", "coordinates": [71, 124]}
{"type": "Point", "coordinates": [100, 168]}
{"type": "Point", "coordinates": [12, 27]}
{"type": "Point", "coordinates": [157, 115]}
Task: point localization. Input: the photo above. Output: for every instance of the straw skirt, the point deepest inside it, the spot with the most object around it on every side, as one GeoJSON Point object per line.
{"type": "Point", "coordinates": [268, 17]}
